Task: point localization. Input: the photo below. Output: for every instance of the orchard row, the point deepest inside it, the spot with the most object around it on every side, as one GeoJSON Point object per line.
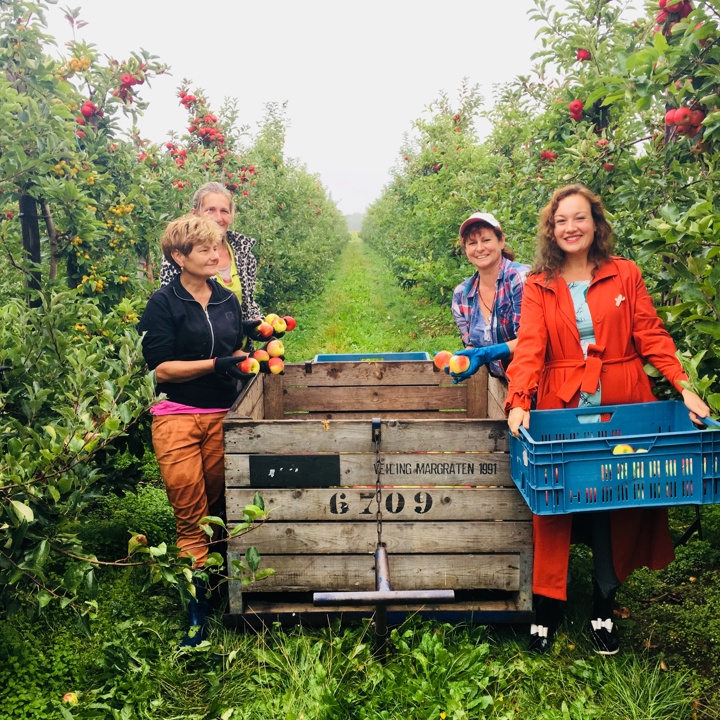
{"type": "Point", "coordinates": [632, 111]}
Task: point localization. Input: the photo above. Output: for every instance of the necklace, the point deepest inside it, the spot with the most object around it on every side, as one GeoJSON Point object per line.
{"type": "Point", "coordinates": [487, 307]}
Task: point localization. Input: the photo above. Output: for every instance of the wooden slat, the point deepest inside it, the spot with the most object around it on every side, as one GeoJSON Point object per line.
{"type": "Point", "coordinates": [317, 573]}
{"type": "Point", "coordinates": [355, 374]}
{"type": "Point", "coordinates": [524, 597]}
{"type": "Point", "coordinates": [476, 389]}
{"type": "Point", "coordinates": [358, 504]}
{"type": "Point", "coordinates": [295, 436]}
{"type": "Point", "coordinates": [441, 414]}
{"type": "Point", "coordinates": [496, 393]}
{"type": "Point", "coordinates": [273, 397]}
{"type": "Point", "coordinates": [250, 403]}
{"type": "Point", "coordinates": [413, 469]}
{"type": "Point", "coordinates": [259, 607]}
{"type": "Point", "coordinates": [413, 537]}
{"type": "Point", "coordinates": [396, 397]}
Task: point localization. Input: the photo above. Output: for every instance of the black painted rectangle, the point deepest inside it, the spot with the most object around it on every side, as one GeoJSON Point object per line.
{"type": "Point", "coordinates": [272, 471]}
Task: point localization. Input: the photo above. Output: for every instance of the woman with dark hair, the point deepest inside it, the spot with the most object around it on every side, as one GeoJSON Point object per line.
{"type": "Point", "coordinates": [588, 326]}
{"type": "Point", "coordinates": [486, 306]}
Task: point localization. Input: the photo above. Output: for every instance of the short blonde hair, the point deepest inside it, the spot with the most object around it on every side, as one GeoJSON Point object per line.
{"type": "Point", "coordinates": [187, 232]}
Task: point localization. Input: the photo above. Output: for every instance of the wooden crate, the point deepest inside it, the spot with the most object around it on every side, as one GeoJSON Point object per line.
{"type": "Point", "coordinates": [451, 515]}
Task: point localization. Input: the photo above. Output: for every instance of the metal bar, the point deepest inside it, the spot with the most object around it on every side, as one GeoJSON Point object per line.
{"type": "Point", "coordinates": [382, 569]}
{"type": "Point", "coordinates": [382, 597]}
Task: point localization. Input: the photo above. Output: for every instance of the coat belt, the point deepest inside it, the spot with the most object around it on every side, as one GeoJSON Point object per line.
{"type": "Point", "coordinates": [585, 375]}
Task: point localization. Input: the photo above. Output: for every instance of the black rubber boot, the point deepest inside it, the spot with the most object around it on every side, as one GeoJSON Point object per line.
{"type": "Point", "coordinates": [548, 616]}
{"type": "Point", "coordinates": [603, 631]}
{"type": "Point", "coordinates": [199, 609]}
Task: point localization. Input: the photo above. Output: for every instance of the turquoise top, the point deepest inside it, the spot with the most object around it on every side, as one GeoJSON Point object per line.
{"type": "Point", "coordinates": [578, 292]}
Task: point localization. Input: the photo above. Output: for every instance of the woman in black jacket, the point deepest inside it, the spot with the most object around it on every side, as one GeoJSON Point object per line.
{"type": "Point", "coordinates": [193, 333]}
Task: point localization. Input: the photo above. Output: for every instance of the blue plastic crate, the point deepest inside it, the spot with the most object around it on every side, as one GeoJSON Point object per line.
{"type": "Point", "coordinates": [387, 356]}
{"type": "Point", "coordinates": [565, 462]}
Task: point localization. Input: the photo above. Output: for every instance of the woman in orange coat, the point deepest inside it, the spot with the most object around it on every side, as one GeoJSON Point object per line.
{"type": "Point", "coordinates": [587, 328]}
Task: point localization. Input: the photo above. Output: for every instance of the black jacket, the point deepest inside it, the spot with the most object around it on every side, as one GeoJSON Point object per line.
{"type": "Point", "coordinates": [177, 327]}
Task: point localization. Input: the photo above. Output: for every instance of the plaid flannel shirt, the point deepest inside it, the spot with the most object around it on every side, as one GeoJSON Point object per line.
{"type": "Point", "coordinates": [508, 298]}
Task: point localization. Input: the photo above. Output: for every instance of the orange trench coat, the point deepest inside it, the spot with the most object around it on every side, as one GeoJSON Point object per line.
{"type": "Point", "coordinates": [548, 361]}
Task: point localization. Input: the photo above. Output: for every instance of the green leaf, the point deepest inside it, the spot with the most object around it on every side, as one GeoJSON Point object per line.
{"type": "Point", "coordinates": [252, 558]}
{"type": "Point", "coordinates": [41, 553]}
{"type": "Point", "coordinates": [22, 511]}
{"type": "Point", "coordinates": [660, 43]}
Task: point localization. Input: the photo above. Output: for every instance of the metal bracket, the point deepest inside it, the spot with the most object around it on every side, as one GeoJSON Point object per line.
{"type": "Point", "coordinates": [376, 430]}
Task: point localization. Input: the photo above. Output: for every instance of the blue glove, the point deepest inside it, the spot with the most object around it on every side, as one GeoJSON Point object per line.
{"type": "Point", "coordinates": [479, 356]}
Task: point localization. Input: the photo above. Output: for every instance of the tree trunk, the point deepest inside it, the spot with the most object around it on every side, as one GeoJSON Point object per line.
{"type": "Point", "coordinates": [52, 235]}
{"type": "Point", "coordinates": [31, 245]}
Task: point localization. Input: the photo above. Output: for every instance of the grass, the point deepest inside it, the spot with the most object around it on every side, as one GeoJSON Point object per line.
{"type": "Point", "coordinates": [364, 310]}
{"type": "Point", "coordinates": [130, 668]}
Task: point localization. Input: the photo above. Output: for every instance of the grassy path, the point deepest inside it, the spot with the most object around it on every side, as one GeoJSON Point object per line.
{"type": "Point", "coordinates": [364, 310]}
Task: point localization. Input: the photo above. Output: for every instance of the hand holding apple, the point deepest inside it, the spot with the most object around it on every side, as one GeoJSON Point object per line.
{"type": "Point", "coordinates": [257, 329]}
{"type": "Point", "coordinates": [468, 361]}
{"type": "Point", "coordinates": [250, 365]}
{"type": "Point", "coordinates": [230, 365]}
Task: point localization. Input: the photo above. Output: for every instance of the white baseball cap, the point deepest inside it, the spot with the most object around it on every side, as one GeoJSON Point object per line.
{"type": "Point", "coordinates": [480, 217]}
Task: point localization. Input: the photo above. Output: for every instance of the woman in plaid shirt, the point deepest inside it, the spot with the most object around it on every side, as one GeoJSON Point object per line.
{"type": "Point", "coordinates": [486, 306]}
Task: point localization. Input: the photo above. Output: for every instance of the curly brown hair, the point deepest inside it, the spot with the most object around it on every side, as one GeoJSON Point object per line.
{"type": "Point", "coordinates": [549, 257]}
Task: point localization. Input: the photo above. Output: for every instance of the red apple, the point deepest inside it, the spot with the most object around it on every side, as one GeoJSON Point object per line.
{"type": "Point", "coordinates": [276, 365]}
{"type": "Point", "coordinates": [250, 365]}
{"type": "Point", "coordinates": [582, 55]}
{"type": "Point", "coordinates": [608, 166]}
{"type": "Point", "coordinates": [670, 117]}
{"type": "Point", "coordinates": [290, 322]}
{"type": "Point", "coordinates": [441, 359]}
{"type": "Point", "coordinates": [275, 348]}
{"type": "Point", "coordinates": [576, 106]}
{"type": "Point", "coordinates": [265, 329]}
{"type": "Point", "coordinates": [697, 117]}
{"type": "Point", "coordinates": [459, 363]}
{"type": "Point", "coordinates": [682, 116]}
{"type": "Point", "coordinates": [261, 355]}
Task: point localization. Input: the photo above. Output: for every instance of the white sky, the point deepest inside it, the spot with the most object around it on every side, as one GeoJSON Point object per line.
{"type": "Point", "coordinates": [355, 74]}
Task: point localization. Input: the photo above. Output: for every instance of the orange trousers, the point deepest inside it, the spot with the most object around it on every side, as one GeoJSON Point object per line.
{"type": "Point", "coordinates": [189, 451]}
